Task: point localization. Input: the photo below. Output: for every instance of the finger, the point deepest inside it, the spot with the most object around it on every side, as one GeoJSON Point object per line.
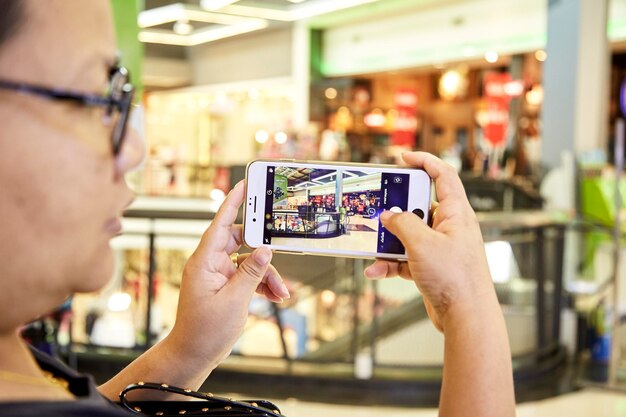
{"type": "Point", "coordinates": [218, 236]}
{"type": "Point", "coordinates": [227, 213]}
{"type": "Point", "coordinates": [387, 269]}
{"type": "Point", "coordinates": [275, 283]}
{"type": "Point", "coordinates": [409, 228]}
{"type": "Point", "coordinates": [266, 292]}
{"type": "Point", "coordinates": [236, 239]}
{"type": "Point", "coordinates": [448, 185]}
{"type": "Point", "coordinates": [249, 275]}
{"type": "Point", "coordinates": [272, 280]}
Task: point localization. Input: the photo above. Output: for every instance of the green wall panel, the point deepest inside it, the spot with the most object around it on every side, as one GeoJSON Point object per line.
{"type": "Point", "coordinates": [131, 50]}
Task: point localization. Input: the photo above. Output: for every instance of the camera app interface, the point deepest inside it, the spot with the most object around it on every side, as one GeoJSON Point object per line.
{"type": "Point", "coordinates": [332, 209]}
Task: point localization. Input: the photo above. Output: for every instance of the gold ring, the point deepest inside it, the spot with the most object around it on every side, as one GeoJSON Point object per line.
{"type": "Point", "coordinates": [235, 259]}
{"type": "Point", "coordinates": [432, 217]}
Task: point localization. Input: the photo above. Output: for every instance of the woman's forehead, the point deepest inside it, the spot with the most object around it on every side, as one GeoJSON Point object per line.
{"type": "Point", "coordinates": [63, 38]}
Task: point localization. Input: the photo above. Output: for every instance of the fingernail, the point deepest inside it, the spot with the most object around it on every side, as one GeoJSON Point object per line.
{"type": "Point", "coordinates": [284, 290]}
{"type": "Point", "coordinates": [262, 255]}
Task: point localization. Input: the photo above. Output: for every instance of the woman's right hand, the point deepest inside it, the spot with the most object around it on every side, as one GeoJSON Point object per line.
{"type": "Point", "coordinates": [447, 261]}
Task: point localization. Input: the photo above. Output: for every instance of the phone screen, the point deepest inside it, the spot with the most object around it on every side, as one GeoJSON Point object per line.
{"type": "Point", "coordinates": [335, 208]}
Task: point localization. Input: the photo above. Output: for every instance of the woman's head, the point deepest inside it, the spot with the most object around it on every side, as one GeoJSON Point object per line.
{"type": "Point", "coordinates": [62, 188]}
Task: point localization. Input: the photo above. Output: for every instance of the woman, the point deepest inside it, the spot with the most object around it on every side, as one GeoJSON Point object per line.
{"type": "Point", "coordinates": [64, 151]}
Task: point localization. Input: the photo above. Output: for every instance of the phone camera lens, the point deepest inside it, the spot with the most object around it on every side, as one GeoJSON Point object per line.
{"type": "Point", "coordinates": [253, 220]}
{"type": "Point", "coordinates": [419, 213]}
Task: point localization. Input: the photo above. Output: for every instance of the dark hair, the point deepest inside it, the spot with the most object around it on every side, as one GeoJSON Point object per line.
{"type": "Point", "coordinates": [11, 13]}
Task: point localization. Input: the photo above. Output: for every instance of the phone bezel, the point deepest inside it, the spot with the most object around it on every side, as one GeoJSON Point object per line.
{"type": "Point", "coordinates": [256, 188]}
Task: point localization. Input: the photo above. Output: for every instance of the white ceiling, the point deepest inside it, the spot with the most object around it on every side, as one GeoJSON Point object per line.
{"type": "Point", "coordinates": [189, 23]}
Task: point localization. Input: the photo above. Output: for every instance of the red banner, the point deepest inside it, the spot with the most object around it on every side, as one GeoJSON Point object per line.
{"type": "Point", "coordinates": [497, 98]}
{"type": "Point", "coordinates": [406, 123]}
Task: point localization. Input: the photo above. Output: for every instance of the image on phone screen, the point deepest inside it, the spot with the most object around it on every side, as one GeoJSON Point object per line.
{"type": "Point", "coordinates": [321, 209]}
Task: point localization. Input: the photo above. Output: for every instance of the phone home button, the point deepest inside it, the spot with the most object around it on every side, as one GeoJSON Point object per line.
{"type": "Point", "coordinates": [419, 213]}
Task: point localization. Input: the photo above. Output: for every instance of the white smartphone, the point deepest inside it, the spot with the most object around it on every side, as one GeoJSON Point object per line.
{"type": "Point", "coordinates": [319, 208]}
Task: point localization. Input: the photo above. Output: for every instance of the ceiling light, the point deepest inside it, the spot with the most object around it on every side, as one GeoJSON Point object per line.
{"type": "Point", "coordinates": [261, 136]}
{"type": "Point", "coordinates": [224, 25]}
{"type": "Point", "coordinates": [183, 27]}
{"type": "Point", "coordinates": [215, 4]}
{"type": "Point", "coordinates": [199, 36]}
{"type": "Point", "coordinates": [328, 297]}
{"type": "Point", "coordinates": [491, 57]}
{"type": "Point", "coordinates": [330, 93]}
{"type": "Point", "coordinates": [541, 55]}
{"type": "Point", "coordinates": [280, 137]}
{"type": "Point", "coordinates": [161, 15]}
{"type": "Point", "coordinates": [535, 96]}
{"type": "Point", "coordinates": [294, 12]}
{"type": "Point", "coordinates": [453, 84]}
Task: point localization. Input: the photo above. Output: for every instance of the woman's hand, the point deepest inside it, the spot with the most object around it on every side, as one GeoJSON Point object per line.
{"type": "Point", "coordinates": [212, 307]}
{"type": "Point", "coordinates": [447, 261]}
{"type": "Point", "coordinates": [214, 295]}
{"type": "Point", "coordinates": [449, 266]}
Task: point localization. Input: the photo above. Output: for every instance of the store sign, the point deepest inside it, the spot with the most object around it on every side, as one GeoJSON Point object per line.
{"type": "Point", "coordinates": [497, 93]}
{"type": "Point", "coordinates": [280, 192]}
{"type": "Point", "coordinates": [405, 126]}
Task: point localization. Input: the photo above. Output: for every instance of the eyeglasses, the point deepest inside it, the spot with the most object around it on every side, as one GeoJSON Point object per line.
{"type": "Point", "coordinates": [117, 100]}
{"type": "Point", "coordinates": [209, 405]}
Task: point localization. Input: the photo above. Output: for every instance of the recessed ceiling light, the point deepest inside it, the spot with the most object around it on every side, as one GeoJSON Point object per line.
{"type": "Point", "coordinates": [541, 55]}
{"type": "Point", "coordinates": [223, 25]}
{"type": "Point", "coordinates": [183, 27]}
{"type": "Point", "coordinates": [491, 56]}
{"type": "Point", "coordinates": [330, 93]}
{"type": "Point", "coordinates": [280, 137]}
{"type": "Point", "coordinates": [261, 136]}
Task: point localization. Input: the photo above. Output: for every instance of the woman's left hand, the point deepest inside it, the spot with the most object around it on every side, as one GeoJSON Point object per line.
{"type": "Point", "coordinates": [215, 293]}
{"type": "Point", "coordinates": [212, 307]}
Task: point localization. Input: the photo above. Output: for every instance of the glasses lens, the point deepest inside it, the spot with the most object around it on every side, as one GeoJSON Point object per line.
{"type": "Point", "coordinates": [118, 83]}
{"type": "Point", "coordinates": [121, 96]}
{"type": "Point", "coordinates": [120, 118]}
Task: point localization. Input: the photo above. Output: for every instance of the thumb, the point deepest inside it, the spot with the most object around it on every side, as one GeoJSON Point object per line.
{"type": "Point", "coordinates": [406, 226]}
{"type": "Point", "coordinates": [250, 273]}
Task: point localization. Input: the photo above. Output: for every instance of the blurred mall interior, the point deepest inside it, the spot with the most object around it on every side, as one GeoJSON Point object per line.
{"type": "Point", "coordinates": [524, 98]}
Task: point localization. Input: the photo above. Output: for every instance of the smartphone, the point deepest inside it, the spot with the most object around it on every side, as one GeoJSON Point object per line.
{"type": "Point", "coordinates": [320, 208]}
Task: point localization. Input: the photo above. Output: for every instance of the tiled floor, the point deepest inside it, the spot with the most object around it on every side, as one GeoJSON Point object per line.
{"type": "Point", "coordinates": [586, 403]}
